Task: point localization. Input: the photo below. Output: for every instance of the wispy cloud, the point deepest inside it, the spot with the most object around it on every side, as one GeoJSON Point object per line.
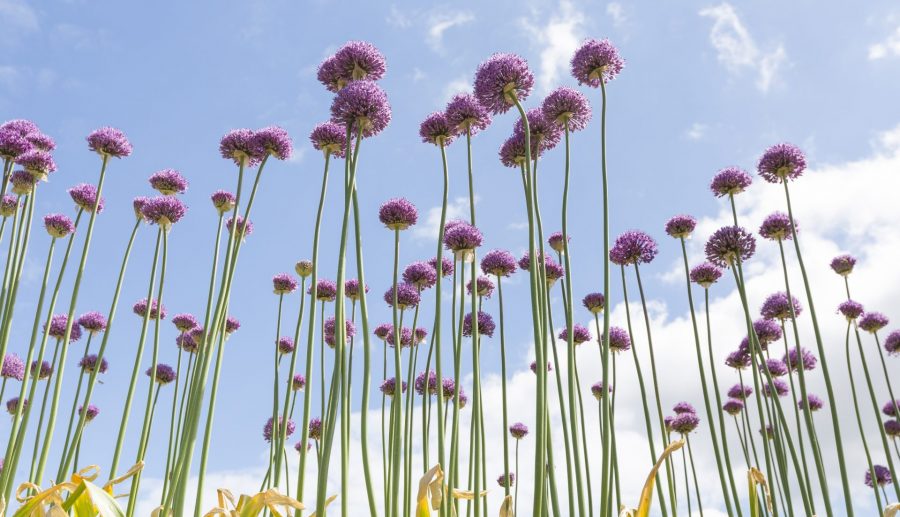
{"type": "Point", "coordinates": [18, 19]}
{"type": "Point", "coordinates": [558, 38]}
{"type": "Point", "coordinates": [398, 18]}
{"type": "Point", "coordinates": [889, 47]}
{"type": "Point", "coordinates": [697, 131]}
{"type": "Point", "coordinates": [459, 85]}
{"type": "Point", "coordinates": [737, 50]}
{"type": "Point", "coordinates": [441, 22]}
{"type": "Point", "coordinates": [457, 208]}
{"type": "Point", "coordinates": [616, 12]}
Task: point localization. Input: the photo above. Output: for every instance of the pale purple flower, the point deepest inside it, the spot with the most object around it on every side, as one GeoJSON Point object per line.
{"type": "Point", "coordinates": [13, 404]}
{"type": "Point", "coordinates": [596, 61]}
{"type": "Point", "coordinates": [739, 359]}
{"type": "Point", "coordinates": [283, 283]}
{"type": "Point", "coordinates": [168, 182]}
{"type": "Point", "coordinates": [776, 367]}
{"type": "Point", "coordinates": [89, 364]}
{"type": "Point", "coordinates": [232, 325]}
{"type": "Point", "coordinates": [683, 407]}
{"type": "Point", "coordinates": [843, 264]}
{"type": "Point", "coordinates": [892, 408]}
{"type": "Point", "coordinates": [705, 274]}
{"type": "Point", "coordinates": [777, 227]}
{"type": "Point", "coordinates": [92, 412]}
{"type": "Point", "coordinates": [556, 242]}
{"type": "Point", "coordinates": [363, 107]}
{"type": "Point", "coordinates": [329, 138]}
{"type": "Point", "coordinates": [304, 268]}
{"type": "Point", "coordinates": [298, 382]}
{"type": "Point", "coordinates": [420, 384]}
{"type": "Point", "coordinates": [685, 423]}
{"type": "Point", "coordinates": [485, 324]}
{"type": "Point", "coordinates": [223, 201]}
{"type": "Point", "coordinates": [13, 367]}
{"type": "Point", "coordinates": [184, 322]}
{"type": "Point", "coordinates": [315, 429]}
{"type": "Point", "coordinates": [389, 386]}
{"type": "Point", "coordinates": [733, 407]}
{"type": "Point", "coordinates": [58, 225]}
{"type": "Point", "coordinates": [186, 342]}
{"type": "Point", "coordinates": [507, 480]}
{"type": "Point", "coordinates": [13, 144]}
{"type": "Point", "coordinates": [420, 274]}
{"type": "Point", "coordinates": [285, 345]}
{"type": "Point", "coordinates": [109, 141]}
{"type": "Point", "coordinates": [465, 113]}
{"type": "Point", "coordinates": [274, 141]}
{"type": "Point", "coordinates": [245, 228]}
{"type": "Point", "coordinates": [813, 401]}
{"type": "Point", "coordinates": [164, 211]}
{"type": "Point", "coordinates": [513, 152]}
{"type": "Point", "coordinates": [633, 247]}
{"type": "Point", "coordinates": [567, 106]}
{"type": "Point", "coordinates": [164, 374]}
{"type": "Point", "coordinates": [483, 287]}
{"type": "Point", "coordinates": [728, 245]}
{"type": "Point", "coordinates": [545, 133]}
{"type": "Point", "coordinates": [448, 390]}
{"type": "Point", "coordinates": [140, 308]}
{"type": "Point", "coordinates": [882, 476]}
{"type": "Point", "coordinates": [58, 325]}
{"type": "Point", "coordinates": [892, 428]}
{"type": "Point", "coordinates": [518, 430]}
{"type": "Point", "coordinates": [447, 265]}
{"type": "Point", "coordinates": [792, 359]}
{"type": "Point", "coordinates": [357, 60]}
{"type": "Point", "coordinates": [240, 146]}
{"type": "Point", "coordinates": [85, 197]}
{"type": "Point", "coordinates": [892, 343]}
{"type": "Point", "coordinates": [9, 205]}
{"type": "Point", "coordinates": [288, 429]}
{"type": "Point", "coordinates": [407, 296]}
{"type": "Point", "coordinates": [873, 322]}
{"type": "Point", "coordinates": [781, 162]}
{"type": "Point", "coordinates": [138, 205]}
{"type": "Point", "coordinates": [850, 309]}
{"type": "Point", "coordinates": [681, 226]}
{"type": "Point", "coordinates": [41, 141]}
{"type": "Point", "coordinates": [436, 129]}
{"type": "Point", "coordinates": [330, 74]}
{"type": "Point", "coordinates": [462, 237]}
{"type": "Point", "coordinates": [42, 370]}
{"type": "Point", "coordinates": [501, 80]}
{"type": "Point", "coordinates": [349, 327]}
{"type": "Point", "coordinates": [767, 331]}
{"type": "Point", "coordinates": [326, 290]}
{"type": "Point", "coordinates": [580, 334]}
{"type": "Point", "coordinates": [777, 307]}
{"type": "Point", "coordinates": [594, 302]}
{"type": "Point", "coordinates": [781, 388]}
{"type": "Point", "coordinates": [597, 390]}
{"type": "Point", "coordinates": [619, 340]}
{"type": "Point", "coordinates": [20, 126]}
{"type": "Point", "coordinates": [740, 391]}
{"type": "Point", "coordinates": [23, 182]}
{"type": "Point", "coordinates": [351, 289]}
{"type": "Point", "coordinates": [398, 214]}
{"type": "Point", "coordinates": [730, 181]}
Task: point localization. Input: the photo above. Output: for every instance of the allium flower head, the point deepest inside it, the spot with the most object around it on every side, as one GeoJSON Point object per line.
{"type": "Point", "coordinates": [485, 324]}
{"type": "Point", "coordinates": [42, 370]}
{"type": "Point", "coordinates": [420, 384]}
{"type": "Point", "coordinates": [462, 237]}
{"type": "Point", "coordinates": [463, 398]}
{"type": "Point", "coordinates": [777, 227]}
{"type": "Point", "coordinates": [58, 225]}
{"type": "Point", "coordinates": [85, 197]}
{"type": "Point", "coordinates": [850, 309]}
{"type": "Point", "coordinates": [138, 205]}
{"type": "Point", "coordinates": [20, 127]}
{"type": "Point", "coordinates": [777, 307]}
{"type": "Point", "coordinates": [109, 141]}
{"type": "Point", "coordinates": [92, 322]}
{"type": "Point", "coordinates": [285, 345]}
{"type": "Point", "coordinates": [436, 129]}
{"type": "Point", "coordinates": [58, 325]}
{"type": "Point", "coordinates": [22, 182]}
{"type": "Point", "coordinates": [892, 343]}
{"type": "Point", "coordinates": [186, 342]}
{"type": "Point", "coordinates": [12, 144]}
{"type": "Point", "coordinates": [274, 141]}
{"type": "Point", "coordinates": [683, 407]}
{"type": "Point", "coordinates": [326, 290]}
{"type": "Point", "coordinates": [288, 429]}
{"type": "Point", "coordinates": [232, 325]}
{"type": "Point", "coordinates": [633, 247]}
{"type": "Point", "coordinates": [545, 133]}
{"type": "Point", "coordinates": [567, 106]}
{"type": "Point", "coordinates": [892, 428]}
{"type": "Point", "coordinates": [283, 283]}
{"type": "Point", "coordinates": [92, 412]}
{"type": "Point", "coordinates": [465, 113]}
{"type": "Point", "coordinates": [164, 211]}
{"type": "Point", "coordinates": [140, 308]}
{"type": "Point", "coordinates": [873, 322]}
{"type": "Point", "coordinates": [843, 264]}
{"type": "Point", "coordinates": [41, 141]}
{"type": "Point", "coordinates": [767, 331]}
{"type": "Point", "coordinates": [780, 388]}
{"type": "Point", "coordinates": [448, 388]}
{"type": "Point", "coordinates": [357, 60]}
{"type": "Point", "coordinates": [349, 327]}
{"type": "Point", "coordinates": [89, 364]}
{"type": "Point", "coordinates": [502, 79]}
{"type": "Point", "coordinates": [351, 289]}
{"type": "Point", "coordinates": [597, 390]}
{"type": "Point", "coordinates": [244, 228]}
{"type": "Point", "coordinates": [781, 162]}
{"type": "Point", "coordinates": [398, 214]}
{"type": "Point", "coordinates": [705, 274]}
{"type": "Point", "coordinates": [330, 75]}
{"type": "Point", "coordinates": [13, 404]}
{"type": "Point", "coordinates": [518, 430]}
{"type": "Point", "coordinates": [164, 374]}
{"type": "Point", "coordinates": [685, 423]}
{"type": "Point", "coordinates": [185, 322]}
{"type": "Point", "coordinates": [739, 359]}
{"type": "Point", "coordinates": [168, 182]}
{"type": "Point", "coordinates": [580, 334]}
{"type": "Point", "coordinates": [484, 287]}
{"type": "Point", "coordinates": [513, 152]}
{"type": "Point", "coordinates": [882, 476]}
{"type": "Point", "coordinates": [533, 366]}
{"type": "Point", "coordinates": [892, 408]}
{"type": "Point", "coordinates": [304, 268]}
{"type": "Point", "coordinates": [507, 480]}
{"type": "Point", "coordinates": [329, 138]}
{"type": "Point", "coordinates": [389, 387]}
{"type": "Point", "coordinates": [9, 205]}
{"type": "Point", "coordinates": [223, 201]}
{"type": "Point", "coordinates": [363, 106]}
{"type": "Point", "coordinates": [776, 367]}
{"type": "Point", "coordinates": [420, 274]}
{"type": "Point", "coordinates": [733, 407]}
{"type": "Point", "coordinates": [13, 367]}
{"type": "Point", "coordinates": [240, 146]}
{"type": "Point", "coordinates": [740, 391]}
{"type": "Point", "coordinates": [813, 401]}
{"type": "Point", "coordinates": [594, 302]}
{"type": "Point", "coordinates": [596, 61]}
{"type": "Point", "coordinates": [730, 181]}
{"type": "Point", "coordinates": [793, 359]}
{"type": "Point", "coordinates": [407, 296]}
{"type": "Point", "coordinates": [298, 382]}
{"type": "Point", "coordinates": [729, 244]}
{"type": "Point", "coordinates": [681, 226]}
{"type": "Point", "coordinates": [315, 429]}
{"type": "Point", "coordinates": [447, 265]}
{"type": "Point", "coordinates": [619, 340]}
{"type": "Point", "coordinates": [557, 243]}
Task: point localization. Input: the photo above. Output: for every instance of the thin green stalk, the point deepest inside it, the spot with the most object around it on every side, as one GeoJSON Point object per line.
{"type": "Point", "coordinates": [694, 473]}
{"type": "Point", "coordinates": [274, 451]}
{"type": "Point", "coordinates": [687, 485]}
{"type": "Point", "coordinates": [171, 442]}
{"type": "Point", "coordinates": [862, 431]}
{"type": "Point", "coordinates": [505, 416]}
{"type": "Point", "coordinates": [87, 348]}
{"type": "Point", "coordinates": [436, 331]}
{"type": "Point", "coordinates": [40, 426]}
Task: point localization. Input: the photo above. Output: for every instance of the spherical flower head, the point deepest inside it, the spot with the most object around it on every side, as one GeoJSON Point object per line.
{"type": "Point", "coordinates": [681, 226]}
{"type": "Point", "coordinates": [565, 106]}
{"type": "Point", "coordinates": [232, 325]}
{"type": "Point", "coordinates": [545, 133]}
{"type": "Point", "coordinates": [330, 75]}
{"type": "Point", "coordinates": [892, 428]}
{"type": "Point", "coordinates": [594, 302]}
{"type": "Point", "coordinates": [164, 211]}
{"type": "Point", "coordinates": [447, 266]}
{"type": "Point", "coordinates": [41, 141]}
{"type": "Point", "coordinates": [685, 423]}
{"type": "Point", "coordinates": [533, 366]}
{"type": "Point", "coordinates": [326, 290]}
{"type": "Point", "coordinates": [420, 274]}
{"type": "Point", "coordinates": [13, 144]}
{"type": "Point", "coordinates": [501, 80]}
{"type": "Point", "coordinates": [780, 387]}
{"type": "Point", "coordinates": [483, 287]}
{"type": "Point", "coordinates": [109, 141]}
{"type": "Point", "coordinates": [407, 296]}
{"type": "Point", "coordinates": [138, 205]}
{"type": "Point", "coordinates": [777, 227]}
{"type": "Point", "coordinates": [329, 138]}
{"type": "Point", "coordinates": [85, 197]}
{"type": "Point", "coordinates": [283, 283]}
{"type": "Point", "coordinates": [383, 331]}
{"type": "Point", "coordinates": [812, 401]}
{"type": "Point", "coordinates": [730, 181]}
{"type": "Point", "coordinates": [398, 214]}
{"type": "Point", "coordinates": [892, 408]}
{"type": "Point", "coordinates": [315, 429]}
{"type": "Point", "coordinates": [740, 392]}
{"type": "Point", "coordinates": [358, 60]}
{"type": "Point", "coordinates": [42, 370]}
{"type": "Point", "coordinates": [436, 129]}
{"type": "Point", "coordinates": [892, 343]}
{"type": "Point", "coordinates": [37, 163]}
{"type": "Point", "coordinates": [298, 382]}
{"type": "Point", "coordinates": [186, 342]}
{"type": "Point", "coordinates": [463, 398]}
{"type": "Point", "coordinates": [557, 243]}
{"type": "Point", "coordinates": [389, 387]}
{"type": "Point", "coordinates": [633, 247]}
{"type": "Point", "coordinates": [464, 113]}
{"type": "Point", "coordinates": [241, 146]}
{"type": "Point", "coordinates": [363, 107]}
{"type": "Point", "coordinates": [850, 309]}
{"type": "Point", "coordinates": [9, 205]}
{"type": "Point", "coordinates": [767, 331]}
{"type": "Point", "coordinates": [140, 308]}
{"type": "Point", "coordinates": [729, 244]}
{"type": "Point", "coordinates": [513, 152]}
{"type": "Point", "coordinates": [89, 364]}
{"type": "Point", "coordinates": [13, 403]}
{"type": "Point", "coordinates": [168, 182]}
{"type": "Point", "coordinates": [223, 201]}
{"type": "Point", "coordinates": [500, 263]}
{"type": "Point", "coordinates": [20, 126]}
{"type": "Point", "coordinates": [781, 162]}
{"type": "Point", "coordinates": [288, 429]}
{"type": "Point", "coordinates": [777, 307]}
{"type": "Point", "coordinates": [244, 228]}
{"type": "Point", "coordinates": [22, 182]}
{"type": "Point", "coordinates": [164, 374]}
{"type": "Point", "coordinates": [58, 325]}
{"type": "Point", "coordinates": [13, 367]}
{"type": "Point", "coordinates": [285, 345]}
{"type": "Point", "coordinates": [518, 430]}
{"type": "Point", "coordinates": [683, 407]}
{"type": "Point", "coordinates": [349, 327]}
{"type": "Point", "coordinates": [420, 384]}
{"type": "Point", "coordinates": [705, 274]}
{"type": "Point", "coordinates": [843, 264]}
{"type": "Point", "coordinates": [274, 141]}
{"type": "Point", "coordinates": [507, 480]}
{"type": "Point", "coordinates": [776, 367]}
{"type": "Point", "coordinates": [733, 407]}
{"type": "Point", "coordinates": [485, 323]}
{"type": "Point", "coordinates": [184, 322]}
{"type": "Point", "coordinates": [92, 412]}
{"type": "Point", "coordinates": [619, 340]}
{"type": "Point", "coordinates": [794, 358]}
{"type": "Point", "coordinates": [873, 322]}
{"type": "Point", "coordinates": [93, 322]}
{"type": "Point", "coordinates": [58, 225]}
{"type": "Point", "coordinates": [462, 238]}
{"type": "Point", "coordinates": [882, 476]}
{"type": "Point", "coordinates": [597, 390]}
{"type": "Point", "coordinates": [351, 289]}
{"type": "Point", "coordinates": [580, 334]}
{"type": "Point", "coordinates": [304, 268]}
{"type": "Point", "coordinates": [596, 61]}
{"type": "Point", "coordinates": [739, 359]}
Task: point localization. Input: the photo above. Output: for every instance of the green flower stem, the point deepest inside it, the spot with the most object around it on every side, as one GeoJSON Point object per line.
{"type": "Point", "coordinates": [408, 420]}
{"type": "Point", "coordinates": [551, 472]}
{"type": "Point", "coordinates": [713, 431]}
{"type": "Point", "coordinates": [12, 254]}
{"type": "Point", "coordinates": [694, 473]}
{"type": "Point", "coordinates": [436, 330]}
{"type": "Point", "coordinates": [453, 471]}
{"type": "Point", "coordinates": [737, 427]}
{"type": "Point", "coordinates": [40, 426]}
{"type": "Point", "coordinates": [862, 431]}
{"type": "Point", "coordinates": [505, 416]}
{"type": "Point", "coordinates": [87, 348]}
{"type": "Point", "coordinates": [396, 410]}
{"type": "Point", "coordinates": [887, 378]}
{"type": "Point", "coordinates": [173, 440]}
{"type": "Point", "coordinates": [274, 451]}
{"type": "Point", "coordinates": [800, 443]}
{"type": "Point", "coordinates": [687, 485]}
{"type": "Point", "coordinates": [516, 496]}
{"type": "Point", "coordinates": [615, 450]}
{"type": "Point", "coordinates": [748, 433]}
{"type": "Point", "coordinates": [170, 445]}
{"type": "Point", "coordinates": [476, 392]}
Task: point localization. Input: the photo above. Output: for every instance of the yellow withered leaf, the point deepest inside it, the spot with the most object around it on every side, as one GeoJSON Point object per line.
{"type": "Point", "coordinates": [643, 509]}
{"type": "Point", "coordinates": [327, 502]}
{"type": "Point", "coordinates": [467, 495]}
{"type": "Point", "coordinates": [756, 478]}
{"type": "Point", "coordinates": [430, 491]}
{"type": "Point", "coordinates": [506, 509]}
{"type": "Point", "coordinates": [891, 510]}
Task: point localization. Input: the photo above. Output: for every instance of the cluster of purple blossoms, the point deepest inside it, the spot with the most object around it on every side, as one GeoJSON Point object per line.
{"type": "Point", "coordinates": [781, 162]}
{"type": "Point", "coordinates": [681, 226]}
{"type": "Point", "coordinates": [843, 264]}
{"type": "Point", "coordinates": [315, 429]}
{"type": "Point", "coordinates": [240, 146]}
{"type": "Point", "coordinates": [437, 129]}
{"type": "Point", "coordinates": [567, 108]}
{"type": "Point", "coordinates": [545, 133]}
{"type": "Point", "coordinates": [283, 283]}
{"type": "Point", "coordinates": [326, 290]}
{"type": "Point", "coordinates": [683, 407]}
{"type": "Point", "coordinates": [728, 245]}
{"type": "Point", "coordinates": [502, 81]}
{"type": "Point", "coordinates": [13, 367]}
{"type": "Point", "coordinates": [777, 307]}
{"type": "Point", "coordinates": [354, 61]}
{"type": "Point", "coordinates": [797, 357]}
{"type": "Point", "coordinates": [92, 412]}
{"type": "Point", "coordinates": [850, 309]}
{"type": "Point", "coordinates": [407, 296]}
{"type": "Point", "coordinates": [447, 266]}
{"type": "Point", "coordinates": [164, 211]}
{"type": "Point", "coordinates": [619, 340]}
{"type": "Point", "coordinates": [351, 289]}
{"type": "Point", "coordinates": [777, 227]}
{"type": "Point", "coordinates": [533, 366]}
{"type": "Point", "coordinates": [186, 342]}
{"type": "Point", "coordinates": [13, 404]}
{"type": "Point", "coordinates": [778, 386]}
{"type": "Point", "coordinates": [730, 181]}
{"type": "Point", "coordinates": [58, 225]}
{"type": "Point", "coordinates": [684, 423]}
{"type": "Point", "coordinates": [42, 370]}
{"type": "Point", "coordinates": [22, 183]}
{"type": "Point", "coordinates": [398, 214]}
{"type": "Point", "coordinates": [164, 374]}
{"type": "Point", "coordinates": [739, 359]}
{"type": "Point", "coordinates": [882, 476]}
{"type": "Point", "coordinates": [168, 182]}
{"type": "Point", "coordinates": [812, 401]}
{"type": "Point", "coordinates": [598, 391]}
{"type": "Point", "coordinates": [892, 343]}
{"type": "Point", "coordinates": [733, 407]}
{"type": "Point", "coordinates": [892, 408]}
{"type": "Point", "coordinates": [633, 247]}
{"type": "Point", "coordinates": [298, 382]}
{"type": "Point", "coordinates": [507, 480]}
{"type": "Point", "coordinates": [557, 242]}
{"type": "Point", "coordinates": [85, 197]}
{"type": "Point", "coordinates": [140, 308]}
{"type": "Point", "coordinates": [89, 364]}
{"type": "Point", "coordinates": [596, 62]}
{"type": "Point", "coordinates": [485, 324]}
{"type": "Point", "coordinates": [138, 205]}
{"type": "Point", "coordinates": [329, 327]}
{"type": "Point", "coordinates": [767, 331]}
{"type": "Point", "coordinates": [776, 367]}
{"type": "Point", "coordinates": [93, 322]}
{"type": "Point", "coordinates": [892, 428]}
{"type": "Point", "coordinates": [422, 275]}
{"type": "Point", "coordinates": [580, 334]}
{"type": "Point", "coordinates": [57, 329]}
{"type": "Point", "coordinates": [873, 322]}
{"type": "Point", "coordinates": [285, 345]}
{"type": "Point", "coordinates": [185, 322]}
{"type": "Point", "coordinates": [484, 287]}
{"type": "Point", "coordinates": [304, 268]}
{"type": "Point", "coordinates": [383, 330]}
{"type": "Point", "coordinates": [461, 237]}
{"type": "Point", "coordinates": [244, 228]}
{"type": "Point", "coordinates": [740, 392]}
{"type": "Point", "coordinates": [518, 430]}
{"type": "Point", "coordinates": [513, 153]}
{"type": "Point", "coordinates": [448, 388]}
{"type": "Point", "coordinates": [274, 141]}
{"type": "Point", "coordinates": [223, 201]}
{"type": "Point", "coordinates": [594, 302]}
{"type": "Point", "coordinates": [420, 384]}
{"type": "Point", "coordinates": [705, 274]}
{"type": "Point", "coordinates": [288, 428]}
{"type": "Point", "coordinates": [329, 138]}
{"type": "Point", "coordinates": [466, 115]}
{"type": "Point", "coordinates": [9, 205]}
{"type": "Point", "coordinates": [363, 107]}
{"type": "Point", "coordinates": [389, 387]}
{"type": "Point", "coordinates": [37, 163]}
{"type": "Point", "coordinates": [109, 141]}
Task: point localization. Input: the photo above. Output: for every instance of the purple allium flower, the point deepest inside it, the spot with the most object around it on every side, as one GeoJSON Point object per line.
{"type": "Point", "coordinates": [781, 388]}
{"type": "Point", "coordinates": [85, 197]}
{"type": "Point", "coordinates": [518, 430]}
{"type": "Point", "coordinates": [739, 359]}
{"type": "Point", "coordinates": [164, 211]}
{"type": "Point", "coordinates": [8, 205]}
{"type": "Point", "coordinates": [683, 407]}
{"type": "Point", "coordinates": [633, 247]}
{"type": "Point", "coordinates": [553, 270]}
{"type": "Point", "coordinates": [42, 370]}
{"type": "Point", "coordinates": [351, 289]}
{"type": "Point", "coordinates": [447, 265]}
{"type": "Point", "coordinates": [13, 144]}
{"type": "Point", "coordinates": [299, 446]}
{"type": "Point", "coordinates": [533, 366]}
{"type": "Point", "coordinates": [843, 264]}
{"type": "Point", "coordinates": [892, 343]}
{"type": "Point", "coordinates": [37, 163]}
{"type": "Point", "coordinates": [464, 113]}
{"type": "Point", "coordinates": [501, 80]}
{"type": "Point", "coordinates": [814, 402]}
{"type": "Point", "coordinates": [882, 476]}
{"type": "Point", "coordinates": [778, 226]}
{"type": "Point", "coordinates": [398, 214]}
{"type": "Point", "coordinates": [109, 141]}
{"type": "Point", "coordinates": [873, 322]}
{"type": "Point", "coordinates": [767, 331]}
{"type": "Point", "coordinates": [892, 428]}
{"type": "Point", "coordinates": [285, 345]}
{"type": "Point", "coordinates": [138, 205]}
{"type": "Point", "coordinates": [420, 386]}
{"type": "Point", "coordinates": [740, 391]}
{"type": "Point", "coordinates": [315, 429]}
{"type": "Point", "coordinates": [545, 133]}
{"type": "Point", "coordinates": [92, 412]}
{"type": "Point", "coordinates": [619, 340]}
{"type": "Point", "coordinates": [483, 287]}
{"type": "Point", "coordinates": [330, 75]}
{"type": "Point", "coordinates": [186, 342]}
{"type": "Point", "coordinates": [240, 145]}
{"type": "Point", "coordinates": [274, 141]}
{"type": "Point", "coordinates": [733, 407]}
{"type": "Point", "coordinates": [436, 129]}
{"type": "Point", "coordinates": [596, 61]}
{"type": "Point", "coordinates": [349, 327]}
{"type": "Point", "coordinates": [13, 403]}
{"type": "Point", "coordinates": [685, 423]}
{"type": "Point", "coordinates": [223, 201]}
{"type": "Point", "coordinates": [389, 386]}
{"type": "Point", "coordinates": [556, 242]}
{"type": "Point", "coordinates": [41, 141]}
{"type": "Point", "coordinates": [850, 309]}
{"type": "Point", "coordinates": [287, 429]}
{"type": "Point", "coordinates": [793, 359]}
{"type": "Point", "coordinates": [420, 274]}
{"type": "Point", "coordinates": [463, 398]}
{"type": "Point", "coordinates": [329, 138]}
{"type": "Point", "coordinates": [304, 268]}
{"type": "Point", "coordinates": [245, 228]}
{"type": "Point", "coordinates": [184, 322]}
{"type": "Point", "coordinates": [681, 226]}
{"type": "Point", "coordinates": [92, 322]}
{"type": "Point", "coordinates": [485, 324]}
{"type": "Point", "coordinates": [232, 325]}
{"type": "Point", "coordinates": [512, 152]}
{"type": "Point", "coordinates": [383, 331]}
{"type": "Point", "coordinates": [567, 106]}
{"type": "Point", "coordinates": [407, 296]}
{"type": "Point", "coordinates": [776, 367]}
{"type": "Point", "coordinates": [580, 334]}
{"type": "Point", "coordinates": [22, 182]}
{"type": "Point", "coordinates": [781, 162]}
{"type": "Point", "coordinates": [777, 307]}
{"type": "Point", "coordinates": [729, 244]}
{"type": "Point", "coordinates": [597, 390]}
{"type": "Point", "coordinates": [58, 225]}
{"type": "Point", "coordinates": [13, 367]}
{"type": "Point", "coordinates": [20, 126]}
{"type": "Point", "coordinates": [168, 182]}
{"type": "Point", "coordinates": [58, 325]}
{"type": "Point", "coordinates": [892, 408]}
{"type": "Point", "coordinates": [164, 374]}
{"type": "Point", "coordinates": [730, 181]}
{"type": "Point", "coordinates": [140, 308]}
{"type": "Point", "coordinates": [594, 302]}
{"type": "Point", "coordinates": [461, 237]}
{"type": "Point", "coordinates": [88, 364]}
{"type": "Point", "coordinates": [363, 106]}
{"type": "Point", "coordinates": [705, 274]}
{"type": "Point", "coordinates": [283, 283]}
{"type": "Point", "coordinates": [298, 382]}
{"type": "Point", "coordinates": [507, 480]}
{"type": "Point", "coordinates": [357, 60]}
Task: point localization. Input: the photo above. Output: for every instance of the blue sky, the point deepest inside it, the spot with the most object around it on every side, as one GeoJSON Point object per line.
{"type": "Point", "coordinates": [706, 85]}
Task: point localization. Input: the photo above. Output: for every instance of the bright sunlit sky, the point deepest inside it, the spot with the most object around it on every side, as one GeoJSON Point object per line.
{"type": "Point", "coordinates": [706, 85]}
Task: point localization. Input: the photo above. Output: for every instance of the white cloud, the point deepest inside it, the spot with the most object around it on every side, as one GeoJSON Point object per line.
{"type": "Point", "coordinates": [441, 22]}
{"type": "Point", "coordinates": [697, 131]}
{"type": "Point", "coordinates": [617, 13]}
{"type": "Point", "coordinates": [457, 208]}
{"type": "Point", "coordinates": [17, 14]}
{"type": "Point", "coordinates": [9, 77]}
{"type": "Point", "coordinates": [890, 47]}
{"type": "Point", "coordinates": [398, 18]}
{"type": "Point", "coordinates": [737, 50]}
{"type": "Point", "coordinates": [418, 75]}
{"type": "Point", "coordinates": [558, 39]}
{"type": "Point", "coordinates": [459, 85]}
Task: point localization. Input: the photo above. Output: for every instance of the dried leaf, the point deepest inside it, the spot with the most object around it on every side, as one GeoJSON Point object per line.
{"type": "Point", "coordinates": [506, 509]}
{"type": "Point", "coordinates": [643, 509]}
